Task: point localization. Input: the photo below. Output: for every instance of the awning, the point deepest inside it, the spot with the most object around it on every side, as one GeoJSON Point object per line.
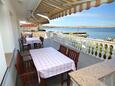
{"type": "Point", "coordinates": [59, 8]}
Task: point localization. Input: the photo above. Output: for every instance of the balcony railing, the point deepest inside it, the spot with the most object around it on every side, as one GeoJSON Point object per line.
{"type": "Point", "coordinates": [101, 49]}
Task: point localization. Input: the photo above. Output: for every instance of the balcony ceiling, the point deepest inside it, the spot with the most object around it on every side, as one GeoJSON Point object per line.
{"type": "Point", "coordinates": [28, 9]}
{"type": "Point", "coordinates": [24, 8]}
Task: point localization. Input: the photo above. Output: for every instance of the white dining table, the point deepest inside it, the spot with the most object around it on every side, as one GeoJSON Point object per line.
{"type": "Point", "coordinates": [50, 62]}
{"type": "Point", "coordinates": [32, 40]}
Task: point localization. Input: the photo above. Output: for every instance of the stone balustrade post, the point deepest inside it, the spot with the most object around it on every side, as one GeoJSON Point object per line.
{"type": "Point", "coordinates": [86, 47]}
{"type": "Point", "coordinates": [103, 49]}
{"type": "Point", "coordinates": [108, 52]}
{"type": "Point", "coordinates": [98, 50]}
{"type": "Point", "coordinates": [82, 44]}
{"type": "Point", "coordinates": [76, 45]}
{"type": "Point", "coordinates": [94, 50]}
{"type": "Point", "coordinates": [113, 52]}
{"type": "Point", "coordinates": [90, 48]}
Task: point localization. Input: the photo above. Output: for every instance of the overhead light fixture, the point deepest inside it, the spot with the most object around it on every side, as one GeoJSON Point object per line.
{"type": "Point", "coordinates": [43, 16]}
{"type": "Point", "coordinates": [23, 22]}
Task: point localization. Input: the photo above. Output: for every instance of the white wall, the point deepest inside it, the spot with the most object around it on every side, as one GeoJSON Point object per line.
{"type": "Point", "coordinates": [5, 29]}
{"type": "Point", "coordinates": [8, 41]}
{"type": "Point", "coordinates": [10, 77]}
{"type": "Point", "coordinates": [8, 27]}
{"type": "Point", "coordinates": [2, 60]}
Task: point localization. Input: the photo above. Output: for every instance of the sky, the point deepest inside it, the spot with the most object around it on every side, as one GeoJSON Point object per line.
{"type": "Point", "coordinates": [103, 15]}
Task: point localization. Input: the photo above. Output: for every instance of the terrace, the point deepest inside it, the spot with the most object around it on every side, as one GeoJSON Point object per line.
{"type": "Point", "coordinates": [96, 55]}
{"type": "Point", "coordinates": [96, 65]}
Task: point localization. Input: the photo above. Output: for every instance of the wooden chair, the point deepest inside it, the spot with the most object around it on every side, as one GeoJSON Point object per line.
{"type": "Point", "coordinates": [37, 45]}
{"type": "Point", "coordinates": [42, 40]}
{"type": "Point", "coordinates": [26, 70]}
{"type": "Point", "coordinates": [74, 56]}
{"type": "Point", "coordinates": [23, 44]}
{"type": "Point", "coordinates": [63, 49]}
{"type": "Point", "coordinates": [20, 44]}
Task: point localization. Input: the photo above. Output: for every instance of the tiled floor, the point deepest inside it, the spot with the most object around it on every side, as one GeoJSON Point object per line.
{"type": "Point", "coordinates": [54, 81]}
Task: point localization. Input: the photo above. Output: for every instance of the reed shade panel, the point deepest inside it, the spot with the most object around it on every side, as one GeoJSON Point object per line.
{"type": "Point", "coordinates": [59, 8]}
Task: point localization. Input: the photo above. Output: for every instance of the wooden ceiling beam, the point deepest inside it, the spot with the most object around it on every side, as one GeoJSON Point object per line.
{"type": "Point", "coordinates": [45, 8]}
{"type": "Point", "coordinates": [67, 1]}
{"type": "Point", "coordinates": [56, 2]}
{"type": "Point", "coordinates": [77, 2]}
{"type": "Point", "coordinates": [52, 5]}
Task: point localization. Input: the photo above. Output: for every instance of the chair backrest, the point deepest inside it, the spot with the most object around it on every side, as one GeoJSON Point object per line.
{"type": "Point", "coordinates": [42, 39]}
{"type": "Point", "coordinates": [19, 63]}
{"type": "Point", "coordinates": [20, 44]}
{"type": "Point", "coordinates": [30, 35]}
{"type": "Point", "coordinates": [22, 41]}
{"type": "Point", "coordinates": [63, 49]}
{"type": "Point", "coordinates": [74, 55]}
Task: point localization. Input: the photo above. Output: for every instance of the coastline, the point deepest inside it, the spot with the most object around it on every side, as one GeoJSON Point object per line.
{"type": "Point", "coordinates": [96, 33]}
{"type": "Point", "coordinates": [78, 27]}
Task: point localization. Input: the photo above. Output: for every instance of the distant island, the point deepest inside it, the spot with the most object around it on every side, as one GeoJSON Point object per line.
{"type": "Point", "coordinates": [78, 26]}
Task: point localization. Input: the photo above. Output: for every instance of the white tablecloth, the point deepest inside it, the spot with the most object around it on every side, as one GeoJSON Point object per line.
{"type": "Point", "coordinates": [50, 62]}
{"type": "Point", "coordinates": [33, 40]}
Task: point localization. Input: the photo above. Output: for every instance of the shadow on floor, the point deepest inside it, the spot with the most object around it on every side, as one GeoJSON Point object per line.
{"type": "Point", "coordinates": [53, 81]}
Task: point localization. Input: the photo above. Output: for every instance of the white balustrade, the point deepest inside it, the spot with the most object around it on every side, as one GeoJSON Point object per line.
{"type": "Point", "coordinates": [99, 48]}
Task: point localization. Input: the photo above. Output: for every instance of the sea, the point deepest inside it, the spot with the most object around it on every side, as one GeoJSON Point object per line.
{"type": "Point", "coordinates": [97, 33]}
